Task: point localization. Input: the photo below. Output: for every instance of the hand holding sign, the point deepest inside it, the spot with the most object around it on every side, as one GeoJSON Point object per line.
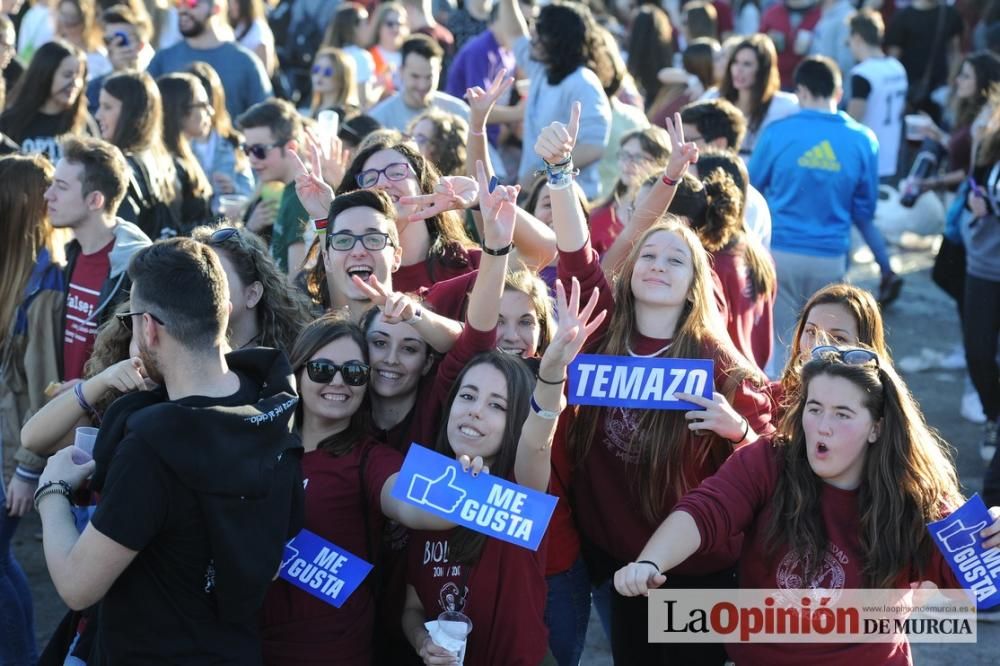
{"type": "Point", "coordinates": [440, 493]}
{"type": "Point", "coordinates": [716, 415]}
{"type": "Point", "coordinates": [970, 551]}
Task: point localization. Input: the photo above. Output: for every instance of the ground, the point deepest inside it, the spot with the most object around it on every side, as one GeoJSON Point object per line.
{"type": "Point", "coordinates": [923, 319]}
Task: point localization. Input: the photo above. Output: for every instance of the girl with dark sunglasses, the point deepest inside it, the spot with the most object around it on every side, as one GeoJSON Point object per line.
{"type": "Point", "coordinates": [840, 500]}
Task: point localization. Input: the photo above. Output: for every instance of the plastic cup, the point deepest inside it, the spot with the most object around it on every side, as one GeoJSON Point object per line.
{"type": "Point", "coordinates": [272, 191]}
{"type": "Point", "coordinates": [454, 628]}
{"type": "Point", "coordinates": [233, 205]}
{"type": "Point", "coordinates": [83, 442]}
{"type": "Point", "coordinates": [916, 123]}
{"type": "Point", "coordinates": [803, 39]}
{"type": "Point", "coordinates": [523, 86]}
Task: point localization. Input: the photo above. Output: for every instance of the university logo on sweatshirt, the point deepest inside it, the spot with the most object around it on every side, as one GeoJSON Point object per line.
{"type": "Point", "coordinates": [820, 156]}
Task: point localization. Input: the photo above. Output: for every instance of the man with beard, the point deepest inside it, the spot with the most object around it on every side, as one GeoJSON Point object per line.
{"type": "Point", "coordinates": [243, 75]}
{"type": "Point", "coordinates": [200, 491]}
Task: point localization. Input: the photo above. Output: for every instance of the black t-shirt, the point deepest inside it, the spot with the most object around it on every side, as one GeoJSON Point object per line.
{"type": "Point", "coordinates": [913, 31]}
{"type": "Point", "coordinates": [42, 136]}
{"type": "Point", "coordinates": [860, 87]}
{"type": "Point", "coordinates": [161, 609]}
{"type": "Point", "coordinates": [11, 74]}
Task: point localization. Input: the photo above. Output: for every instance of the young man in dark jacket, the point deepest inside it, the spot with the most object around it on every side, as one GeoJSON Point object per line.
{"type": "Point", "coordinates": [200, 491]}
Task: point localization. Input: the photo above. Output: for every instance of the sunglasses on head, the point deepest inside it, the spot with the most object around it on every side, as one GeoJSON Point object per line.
{"type": "Point", "coordinates": [848, 355]}
{"type": "Point", "coordinates": [125, 319]}
{"type": "Point", "coordinates": [322, 371]}
{"type": "Point", "coordinates": [325, 71]}
{"type": "Point", "coordinates": [395, 172]}
{"type": "Point", "coordinates": [259, 150]}
{"type": "Point", "coordinates": [220, 236]}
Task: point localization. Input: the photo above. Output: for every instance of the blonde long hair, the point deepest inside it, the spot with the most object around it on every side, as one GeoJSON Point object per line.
{"type": "Point", "coordinates": [663, 438]}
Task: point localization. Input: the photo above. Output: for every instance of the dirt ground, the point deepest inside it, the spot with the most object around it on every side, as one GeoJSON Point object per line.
{"type": "Point", "coordinates": [923, 319]}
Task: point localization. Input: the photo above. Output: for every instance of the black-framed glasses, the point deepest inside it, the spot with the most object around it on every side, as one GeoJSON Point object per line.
{"type": "Point", "coordinates": [323, 370]}
{"type": "Point", "coordinates": [395, 172]}
{"type": "Point", "coordinates": [325, 71]}
{"type": "Point", "coordinates": [848, 355]}
{"type": "Point", "coordinates": [259, 150]}
{"type": "Point", "coordinates": [344, 241]}
{"type": "Point", "coordinates": [125, 319]}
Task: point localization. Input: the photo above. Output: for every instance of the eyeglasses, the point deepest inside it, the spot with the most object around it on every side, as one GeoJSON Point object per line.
{"type": "Point", "coordinates": [322, 371]}
{"type": "Point", "coordinates": [259, 150]}
{"type": "Point", "coordinates": [633, 158]}
{"type": "Point", "coordinates": [325, 71]}
{"type": "Point", "coordinates": [848, 355]}
{"type": "Point", "coordinates": [395, 172]}
{"type": "Point", "coordinates": [344, 241]}
{"type": "Point", "coordinates": [125, 319]}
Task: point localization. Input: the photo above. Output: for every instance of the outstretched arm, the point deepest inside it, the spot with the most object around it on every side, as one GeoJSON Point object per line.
{"type": "Point", "coordinates": [675, 540]}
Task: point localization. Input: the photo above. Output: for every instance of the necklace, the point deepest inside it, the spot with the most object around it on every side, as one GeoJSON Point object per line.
{"type": "Point", "coordinates": [628, 348]}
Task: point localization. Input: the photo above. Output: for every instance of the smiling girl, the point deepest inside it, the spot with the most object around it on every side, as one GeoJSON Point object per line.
{"type": "Point", "coordinates": [840, 500]}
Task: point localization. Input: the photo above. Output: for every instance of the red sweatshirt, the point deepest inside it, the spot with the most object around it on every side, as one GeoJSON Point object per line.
{"type": "Point", "coordinates": [457, 261]}
{"type": "Point", "coordinates": [777, 18]}
{"type": "Point", "coordinates": [748, 321]}
{"type": "Point", "coordinates": [736, 502]}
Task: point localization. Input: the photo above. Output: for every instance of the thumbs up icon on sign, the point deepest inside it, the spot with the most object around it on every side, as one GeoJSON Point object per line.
{"type": "Point", "coordinates": [440, 493]}
{"type": "Point", "coordinates": [291, 552]}
{"type": "Point", "coordinates": [957, 536]}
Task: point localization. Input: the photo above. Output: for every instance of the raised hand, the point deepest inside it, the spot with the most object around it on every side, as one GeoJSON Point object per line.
{"type": "Point", "coordinates": [396, 306]}
{"type": "Point", "coordinates": [451, 193]}
{"type": "Point", "coordinates": [718, 416]}
{"type": "Point", "coordinates": [499, 209]}
{"type": "Point", "coordinates": [125, 376]}
{"type": "Point", "coordinates": [556, 142]}
{"type": "Point", "coordinates": [481, 102]}
{"type": "Point", "coordinates": [638, 578]}
{"type": "Point", "coordinates": [576, 324]}
{"type": "Point", "coordinates": [681, 153]}
{"type": "Point", "coordinates": [314, 193]}
{"type": "Point", "coordinates": [334, 158]}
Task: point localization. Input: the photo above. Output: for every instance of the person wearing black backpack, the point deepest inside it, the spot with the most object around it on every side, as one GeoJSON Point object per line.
{"type": "Point", "coordinates": [298, 27]}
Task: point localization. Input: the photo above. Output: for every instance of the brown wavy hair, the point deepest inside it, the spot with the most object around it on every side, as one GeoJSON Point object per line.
{"type": "Point", "coordinates": [447, 150]}
{"type": "Point", "coordinates": [344, 76]}
{"type": "Point", "coordinates": [528, 283]}
{"type": "Point", "coordinates": [663, 439]}
{"type": "Point", "coordinates": [908, 479]}
{"type": "Point", "coordinates": [110, 346]}
{"type": "Point", "coordinates": [767, 82]}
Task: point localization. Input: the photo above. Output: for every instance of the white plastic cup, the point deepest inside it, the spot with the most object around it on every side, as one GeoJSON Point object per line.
{"type": "Point", "coordinates": [916, 123]}
{"type": "Point", "coordinates": [328, 124]}
{"type": "Point", "coordinates": [84, 441]}
{"type": "Point", "coordinates": [455, 627]}
{"type": "Point", "coordinates": [803, 40]}
{"type": "Point", "coordinates": [233, 205]}
{"type": "Point", "coordinates": [523, 86]}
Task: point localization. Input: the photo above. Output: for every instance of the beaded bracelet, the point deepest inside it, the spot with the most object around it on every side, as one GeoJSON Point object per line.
{"type": "Point", "coordinates": [52, 488]}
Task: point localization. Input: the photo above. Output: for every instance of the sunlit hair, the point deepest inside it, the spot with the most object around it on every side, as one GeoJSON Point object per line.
{"type": "Point", "coordinates": [863, 308]}
{"type": "Point", "coordinates": [34, 88]}
{"type": "Point", "coordinates": [528, 283]}
{"type": "Point", "coordinates": [90, 29]}
{"type": "Point", "coordinates": [178, 91]}
{"type": "Point", "coordinates": [346, 27]}
{"type": "Point", "coordinates": [24, 231]}
{"type": "Point", "coordinates": [655, 142]}
{"type": "Point", "coordinates": [381, 15]}
{"type": "Point", "coordinates": [464, 545]}
{"type": "Point", "coordinates": [447, 147]}
{"type": "Point", "coordinates": [345, 81]}
{"type": "Point", "coordinates": [908, 480]}
{"type": "Point", "coordinates": [766, 83]}
{"type": "Point", "coordinates": [538, 186]}
{"type": "Point", "coordinates": [448, 239]}
{"type": "Point", "coordinates": [666, 449]}
{"type": "Point", "coordinates": [986, 68]}
{"type": "Point", "coordinates": [314, 337]}
{"type": "Point", "coordinates": [653, 36]}
{"type": "Point", "coordinates": [110, 346]}
{"type": "Point", "coordinates": [222, 122]}
{"type": "Point", "coordinates": [282, 311]}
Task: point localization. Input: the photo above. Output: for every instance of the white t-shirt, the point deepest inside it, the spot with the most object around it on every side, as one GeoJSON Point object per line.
{"type": "Point", "coordinates": [757, 216]}
{"type": "Point", "coordinates": [783, 104]}
{"type": "Point", "coordinates": [364, 64]}
{"type": "Point", "coordinates": [37, 27]}
{"type": "Point", "coordinates": [886, 99]}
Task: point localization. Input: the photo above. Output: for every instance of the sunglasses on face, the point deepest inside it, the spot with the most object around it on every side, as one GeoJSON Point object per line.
{"type": "Point", "coordinates": [850, 356]}
{"type": "Point", "coordinates": [125, 319]}
{"type": "Point", "coordinates": [395, 172]}
{"type": "Point", "coordinates": [325, 71]}
{"type": "Point", "coordinates": [119, 39]}
{"type": "Point", "coordinates": [344, 241]}
{"type": "Point", "coordinates": [322, 371]}
{"type": "Point", "coordinates": [259, 150]}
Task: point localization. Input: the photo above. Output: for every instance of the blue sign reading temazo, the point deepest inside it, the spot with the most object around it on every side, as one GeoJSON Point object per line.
{"type": "Point", "coordinates": [485, 503]}
{"type": "Point", "coordinates": [637, 382]}
{"type": "Point", "coordinates": [977, 568]}
{"type": "Point", "coordinates": [325, 571]}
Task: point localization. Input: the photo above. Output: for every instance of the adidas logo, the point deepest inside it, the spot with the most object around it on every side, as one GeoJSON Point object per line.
{"type": "Point", "coordinates": [820, 156]}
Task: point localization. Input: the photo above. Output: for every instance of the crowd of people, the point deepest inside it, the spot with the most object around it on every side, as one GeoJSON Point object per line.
{"type": "Point", "coordinates": [265, 247]}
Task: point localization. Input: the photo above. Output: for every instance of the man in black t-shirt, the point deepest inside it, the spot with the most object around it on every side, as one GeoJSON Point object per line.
{"type": "Point", "coordinates": [198, 494]}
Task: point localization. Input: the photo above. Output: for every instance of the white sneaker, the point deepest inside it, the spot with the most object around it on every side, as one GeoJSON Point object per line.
{"type": "Point", "coordinates": [972, 409]}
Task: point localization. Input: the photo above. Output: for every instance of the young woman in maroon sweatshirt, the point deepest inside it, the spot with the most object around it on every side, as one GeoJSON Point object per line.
{"type": "Point", "coordinates": [840, 500]}
{"type": "Point", "coordinates": [624, 469]}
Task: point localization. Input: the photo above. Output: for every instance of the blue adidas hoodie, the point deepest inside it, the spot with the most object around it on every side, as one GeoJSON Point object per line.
{"type": "Point", "coordinates": [819, 174]}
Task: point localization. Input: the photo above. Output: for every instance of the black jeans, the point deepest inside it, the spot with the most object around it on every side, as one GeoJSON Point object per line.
{"type": "Point", "coordinates": [980, 328]}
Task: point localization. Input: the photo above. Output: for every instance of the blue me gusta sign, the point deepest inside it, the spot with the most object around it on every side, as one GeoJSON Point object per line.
{"type": "Point", "coordinates": [638, 382]}
{"type": "Point", "coordinates": [487, 504]}
{"type": "Point", "coordinates": [314, 565]}
{"type": "Point", "coordinates": [977, 568]}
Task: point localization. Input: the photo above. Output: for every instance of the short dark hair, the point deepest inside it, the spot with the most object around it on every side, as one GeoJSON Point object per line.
{"type": "Point", "coordinates": [104, 168]}
{"type": "Point", "coordinates": [868, 25]}
{"type": "Point", "coordinates": [819, 75]}
{"type": "Point", "coordinates": [183, 284]}
{"type": "Point", "coordinates": [422, 45]}
{"type": "Point", "coordinates": [716, 118]}
{"type": "Point", "coordinates": [377, 200]}
{"type": "Point", "coordinates": [277, 115]}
